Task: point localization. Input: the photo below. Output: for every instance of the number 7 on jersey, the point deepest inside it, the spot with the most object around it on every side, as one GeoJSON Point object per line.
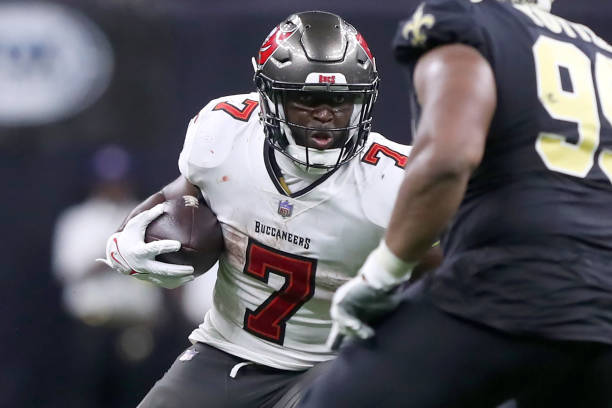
{"type": "Point", "coordinates": [269, 320]}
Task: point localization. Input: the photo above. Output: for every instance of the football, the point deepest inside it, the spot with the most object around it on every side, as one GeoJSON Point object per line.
{"type": "Point", "coordinates": [195, 226]}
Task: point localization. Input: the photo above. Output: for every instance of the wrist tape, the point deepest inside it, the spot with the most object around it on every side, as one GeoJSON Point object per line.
{"type": "Point", "coordinates": [384, 270]}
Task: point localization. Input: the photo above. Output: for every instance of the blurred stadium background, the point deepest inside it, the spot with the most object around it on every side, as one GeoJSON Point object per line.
{"type": "Point", "coordinates": [78, 76]}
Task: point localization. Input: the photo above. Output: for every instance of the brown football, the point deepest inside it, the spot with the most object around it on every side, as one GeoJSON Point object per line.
{"type": "Point", "coordinates": [195, 226]}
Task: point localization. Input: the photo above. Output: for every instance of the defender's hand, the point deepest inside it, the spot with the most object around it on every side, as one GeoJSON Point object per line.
{"type": "Point", "coordinates": [355, 305]}
{"type": "Point", "coordinates": [368, 296]}
{"type": "Point", "coordinates": [129, 254]}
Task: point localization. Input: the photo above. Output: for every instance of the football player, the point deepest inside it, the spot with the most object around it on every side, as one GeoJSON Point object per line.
{"type": "Point", "coordinates": [513, 158]}
{"type": "Point", "coordinates": [303, 191]}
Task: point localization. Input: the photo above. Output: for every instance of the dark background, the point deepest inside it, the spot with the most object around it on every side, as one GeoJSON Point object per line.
{"type": "Point", "coordinates": [171, 57]}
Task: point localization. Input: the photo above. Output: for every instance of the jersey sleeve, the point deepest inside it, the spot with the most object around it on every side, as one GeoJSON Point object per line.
{"type": "Point", "coordinates": [383, 162]}
{"type": "Point", "coordinates": [435, 23]}
{"type": "Point", "coordinates": [211, 134]}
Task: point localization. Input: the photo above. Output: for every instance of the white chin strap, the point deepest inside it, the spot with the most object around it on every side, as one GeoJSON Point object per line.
{"type": "Point", "coordinates": [327, 157]}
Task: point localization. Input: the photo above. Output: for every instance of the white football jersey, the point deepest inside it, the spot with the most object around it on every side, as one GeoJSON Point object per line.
{"type": "Point", "coordinates": [285, 254]}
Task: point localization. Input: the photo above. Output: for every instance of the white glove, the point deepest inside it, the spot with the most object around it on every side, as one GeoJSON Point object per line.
{"type": "Point", "coordinates": [354, 305]}
{"type": "Point", "coordinates": [368, 296]}
{"type": "Point", "coordinates": [129, 254]}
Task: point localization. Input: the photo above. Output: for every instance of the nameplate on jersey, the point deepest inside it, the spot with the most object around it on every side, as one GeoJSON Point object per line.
{"type": "Point", "coordinates": [282, 235]}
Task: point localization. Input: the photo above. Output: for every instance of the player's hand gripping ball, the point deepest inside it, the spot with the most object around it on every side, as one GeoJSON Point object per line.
{"type": "Point", "coordinates": [195, 226]}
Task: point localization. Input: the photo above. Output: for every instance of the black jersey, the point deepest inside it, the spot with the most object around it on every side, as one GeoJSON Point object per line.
{"type": "Point", "coordinates": [530, 249]}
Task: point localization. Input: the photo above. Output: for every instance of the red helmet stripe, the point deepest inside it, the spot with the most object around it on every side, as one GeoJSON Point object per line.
{"type": "Point", "coordinates": [364, 45]}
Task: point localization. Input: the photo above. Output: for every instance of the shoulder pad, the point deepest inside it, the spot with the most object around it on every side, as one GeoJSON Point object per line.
{"type": "Point", "coordinates": [213, 131]}
{"type": "Point", "coordinates": [435, 23]}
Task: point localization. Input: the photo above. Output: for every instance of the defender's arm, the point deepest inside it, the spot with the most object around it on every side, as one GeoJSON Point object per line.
{"type": "Point", "coordinates": [456, 89]}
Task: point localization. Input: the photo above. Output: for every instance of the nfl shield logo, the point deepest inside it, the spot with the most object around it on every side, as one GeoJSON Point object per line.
{"type": "Point", "coordinates": [284, 208]}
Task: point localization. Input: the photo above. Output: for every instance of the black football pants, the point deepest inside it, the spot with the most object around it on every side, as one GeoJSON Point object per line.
{"type": "Point", "coordinates": [422, 357]}
{"type": "Point", "coordinates": [200, 378]}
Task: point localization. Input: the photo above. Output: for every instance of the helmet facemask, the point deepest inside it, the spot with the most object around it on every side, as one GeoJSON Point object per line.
{"type": "Point", "coordinates": [294, 70]}
{"type": "Point", "coordinates": [289, 137]}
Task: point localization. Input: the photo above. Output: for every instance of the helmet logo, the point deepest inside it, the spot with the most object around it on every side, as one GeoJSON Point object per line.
{"type": "Point", "coordinates": [275, 38]}
{"type": "Point", "coordinates": [325, 78]}
{"type": "Point", "coordinates": [328, 79]}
